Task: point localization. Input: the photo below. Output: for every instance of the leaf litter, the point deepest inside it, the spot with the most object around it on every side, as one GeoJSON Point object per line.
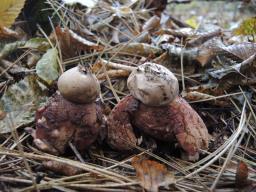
{"type": "Point", "coordinates": [214, 66]}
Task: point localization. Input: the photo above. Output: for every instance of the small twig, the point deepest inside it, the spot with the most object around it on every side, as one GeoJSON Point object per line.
{"type": "Point", "coordinates": [182, 67]}
{"type": "Point", "coordinates": [116, 65]}
{"type": "Point", "coordinates": [108, 174]}
{"type": "Point", "coordinates": [14, 63]}
{"type": "Point", "coordinates": [21, 150]}
{"type": "Point", "coordinates": [13, 180]}
{"type": "Point", "coordinates": [20, 139]}
{"type": "Point", "coordinates": [58, 46]}
{"type": "Point", "coordinates": [217, 97]}
{"type": "Point", "coordinates": [114, 74]}
{"type": "Point", "coordinates": [232, 150]}
{"type": "Point", "coordinates": [78, 155]}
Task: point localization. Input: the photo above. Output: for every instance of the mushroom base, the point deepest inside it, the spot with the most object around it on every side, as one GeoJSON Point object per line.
{"type": "Point", "coordinates": [174, 122]}
{"type": "Point", "coordinates": [61, 122]}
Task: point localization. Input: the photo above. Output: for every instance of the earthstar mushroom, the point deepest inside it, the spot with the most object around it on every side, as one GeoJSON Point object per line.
{"type": "Point", "coordinates": [153, 85]}
{"type": "Point", "coordinates": [155, 109]}
{"type": "Point", "coordinates": [79, 86]}
{"type": "Point", "coordinates": [71, 115]}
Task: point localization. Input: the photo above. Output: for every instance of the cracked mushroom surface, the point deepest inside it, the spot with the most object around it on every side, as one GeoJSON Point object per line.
{"type": "Point", "coordinates": [153, 84]}
{"type": "Point", "coordinates": [62, 121]}
{"type": "Point", "coordinates": [172, 121]}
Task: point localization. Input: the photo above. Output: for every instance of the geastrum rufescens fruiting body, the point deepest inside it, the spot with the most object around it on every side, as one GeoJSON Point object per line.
{"type": "Point", "coordinates": [155, 108]}
{"type": "Point", "coordinates": [71, 115]}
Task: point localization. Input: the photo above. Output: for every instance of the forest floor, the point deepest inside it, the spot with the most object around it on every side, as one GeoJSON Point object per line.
{"type": "Point", "coordinates": [209, 46]}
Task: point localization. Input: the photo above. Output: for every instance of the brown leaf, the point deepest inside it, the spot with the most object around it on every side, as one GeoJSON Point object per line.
{"type": "Point", "coordinates": [203, 37]}
{"type": "Point", "coordinates": [152, 174]}
{"type": "Point", "coordinates": [241, 174]}
{"type": "Point", "coordinates": [238, 74]}
{"type": "Point", "coordinates": [8, 33]}
{"type": "Point", "coordinates": [243, 50]}
{"type": "Point", "coordinates": [71, 42]}
{"type": "Point", "coordinates": [152, 24]}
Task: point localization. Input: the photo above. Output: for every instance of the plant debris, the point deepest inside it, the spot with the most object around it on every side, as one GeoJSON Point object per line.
{"type": "Point", "coordinates": [152, 174]}
{"type": "Point", "coordinates": [209, 46]}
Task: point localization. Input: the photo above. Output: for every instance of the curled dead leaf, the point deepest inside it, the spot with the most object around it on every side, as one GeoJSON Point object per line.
{"type": "Point", "coordinates": [7, 33]}
{"type": "Point", "coordinates": [152, 174]}
{"type": "Point", "coordinates": [70, 42]}
{"type": "Point", "coordinates": [239, 74]}
{"type": "Point", "coordinates": [241, 51]}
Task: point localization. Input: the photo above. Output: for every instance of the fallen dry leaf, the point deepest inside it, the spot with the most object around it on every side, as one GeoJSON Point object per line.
{"type": "Point", "coordinates": [9, 33]}
{"type": "Point", "coordinates": [152, 24]}
{"type": "Point", "coordinates": [152, 174]}
{"type": "Point", "coordinates": [242, 174]}
{"type": "Point", "coordinates": [70, 42]}
{"type": "Point", "coordinates": [242, 50]}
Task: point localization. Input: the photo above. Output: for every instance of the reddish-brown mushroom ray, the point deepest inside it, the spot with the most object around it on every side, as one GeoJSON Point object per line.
{"type": "Point", "coordinates": [120, 130]}
{"type": "Point", "coordinates": [61, 121]}
{"type": "Point", "coordinates": [177, 121]}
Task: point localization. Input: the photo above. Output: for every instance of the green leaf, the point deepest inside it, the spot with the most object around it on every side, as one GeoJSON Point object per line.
{"type": "Point", "coordinates": [10, 47]}
{"type": "Point", "coordinates": [40, 44]}
{"type": "Point", "coordinates": [19, 103]}
{"type": "Point", "coordinates": [47, 67]}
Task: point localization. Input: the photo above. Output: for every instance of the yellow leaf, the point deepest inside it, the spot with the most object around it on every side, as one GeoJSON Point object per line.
{"type": "Point", "coordinates": [192, 22]}
{"type": "Point", "coordinates": [9, 10]}
{"type": "Point", "coordinates": [247, 27]}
